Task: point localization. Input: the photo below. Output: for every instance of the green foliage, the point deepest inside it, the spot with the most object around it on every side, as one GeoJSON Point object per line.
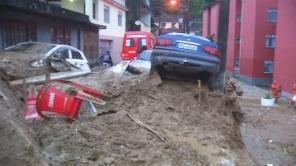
{"type": "Point", "coordinates": [196, 9]}
{"type": "Point", "coordinates": [133, 13]}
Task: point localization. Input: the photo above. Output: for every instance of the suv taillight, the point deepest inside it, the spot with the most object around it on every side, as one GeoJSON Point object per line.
{"type": "Point", "coordinates": [163, 42]}
{"type": "Point", "coordinates": [212, 50]}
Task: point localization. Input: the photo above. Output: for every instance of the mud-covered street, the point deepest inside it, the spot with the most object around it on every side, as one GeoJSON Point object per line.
{"type": "Point", "coordinates": [186, 132]}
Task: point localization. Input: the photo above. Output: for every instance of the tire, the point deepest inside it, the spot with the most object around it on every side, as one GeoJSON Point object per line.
{"type": "Point", "coordinates": [216, 82]}
{"type": "Point", "coordinates": [161, 71]}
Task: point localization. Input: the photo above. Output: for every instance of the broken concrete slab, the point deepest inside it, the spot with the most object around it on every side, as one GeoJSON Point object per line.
{"type": "Point", "coordinates": [51, 76]}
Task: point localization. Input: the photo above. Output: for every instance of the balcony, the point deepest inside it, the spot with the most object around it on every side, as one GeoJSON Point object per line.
{"type": "Point", "coordinates": [38, 7]}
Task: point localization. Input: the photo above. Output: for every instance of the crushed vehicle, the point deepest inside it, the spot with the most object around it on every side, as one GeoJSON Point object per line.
{"type": "Point", "coordinates": [187, 53]}
{"type": "Point", "coordinates": [34, 58]}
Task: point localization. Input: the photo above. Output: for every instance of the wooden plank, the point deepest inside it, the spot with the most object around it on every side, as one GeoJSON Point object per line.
{"type": "Point", "coordinates": [52, 76]}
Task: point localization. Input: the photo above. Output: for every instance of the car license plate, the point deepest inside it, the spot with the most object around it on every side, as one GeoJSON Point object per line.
{"type": "Point", "coordinates": [187, 46]}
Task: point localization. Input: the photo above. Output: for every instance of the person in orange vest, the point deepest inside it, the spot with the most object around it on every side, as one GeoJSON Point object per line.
{"type": "Point", "coordinates": [276, 90]}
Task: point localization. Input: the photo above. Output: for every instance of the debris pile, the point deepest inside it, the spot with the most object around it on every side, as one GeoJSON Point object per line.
{"type": "Point", "coordinates": [149, 125]}
{"type": "Point", "coordinates": [146, 122]}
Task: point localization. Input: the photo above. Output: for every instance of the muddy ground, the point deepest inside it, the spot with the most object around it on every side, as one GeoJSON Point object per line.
{"type": "Point", "coordinates": [269, 132]}
{"type": "Point", "coordinates": [193, 133]}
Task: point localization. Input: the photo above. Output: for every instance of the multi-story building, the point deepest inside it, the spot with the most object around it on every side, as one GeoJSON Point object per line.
{"type": "Point", "coordinates": [261, 40]}
{"type": "Point", "coordinates": [251, 40]}
{"type": "Point", "coordinates": [43, 21]}
{"type": "Point", "coordinates": [257, 41]}
{"type": "Point", "coordinates": [285, 48]}
{"type": "Point", "coordinates": [210, 16]}
{"type": "Point", "coordinates": [112, 14]}
{"type": "Point", "coordinates": [109, 13]}
{"type": "Point", "coordinates": [251, 37]}
{"type": "Point", "coordinates": [234, 33]}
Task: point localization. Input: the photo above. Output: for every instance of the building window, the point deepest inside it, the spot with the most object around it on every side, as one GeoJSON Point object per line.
{"type": "Point", "coordinates": [163, 25]}
{"type": "Point", "coordinates": [119, 18]}
{"type": "Point", "coordinates": [61, 35]}
{"type": "Point", "coordinates": [270, 41]}
{"type": "Point", "coordinates": [272, 15]}
{"type": "Point", "coordinates": [238, 40]}
{"type": "Point", "coordinates": [94, 11]}
{"type": "Point", "coordinates": [106, 14]}
{"type": "Point", "coordinates": [13, 32]}
{"type": "Point", "coordinates": [239, 18]}
{"type": "Point", "coordinates": [268, 66]}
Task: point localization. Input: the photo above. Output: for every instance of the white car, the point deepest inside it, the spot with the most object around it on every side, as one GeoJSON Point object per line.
{"type": "Point", "coordinates": [143, 62]}
{"type": "Point", "coordinates": [34, 58]}
{"type": "Point", "coordinates": [69, 53]}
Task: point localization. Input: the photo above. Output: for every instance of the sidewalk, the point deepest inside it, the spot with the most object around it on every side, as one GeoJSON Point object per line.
{"type": "Point", "coordinates": [269, 133]}
{"type": "Point", "coordinates": [251, 91]}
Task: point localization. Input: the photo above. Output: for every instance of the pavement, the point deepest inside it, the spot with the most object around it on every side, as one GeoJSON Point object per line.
{"type": "Point", "coordinates": [269, 133]}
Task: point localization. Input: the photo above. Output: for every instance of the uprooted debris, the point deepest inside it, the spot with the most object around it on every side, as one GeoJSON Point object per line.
{"type": "Point", "coordinates": [205, 134]}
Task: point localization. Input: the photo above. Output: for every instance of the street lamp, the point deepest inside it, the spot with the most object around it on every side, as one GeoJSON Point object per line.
{"type": "Point", "coordinates": [173, 2]}
{"type": "Point", "coordinates": [172, 5]}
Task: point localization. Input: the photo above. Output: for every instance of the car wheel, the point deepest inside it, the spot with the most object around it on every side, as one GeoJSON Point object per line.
{"type": "Point", "coordinates": [216, 82]}
{"type": "Point", "coordinates": [161, 72]}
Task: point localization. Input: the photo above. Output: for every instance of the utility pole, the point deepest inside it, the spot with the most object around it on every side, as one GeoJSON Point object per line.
{"type": "Point", "coordinates": [222, 39]}
{"type": "Point", "coordinates": [223, 31]}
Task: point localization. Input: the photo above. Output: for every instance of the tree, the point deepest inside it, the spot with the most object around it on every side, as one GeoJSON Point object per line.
{"type": "Point", "coordinates": [194, 14]}
{"type": "Point", "coordinates": [133, 14]}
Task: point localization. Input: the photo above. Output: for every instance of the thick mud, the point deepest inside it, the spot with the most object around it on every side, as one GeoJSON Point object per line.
{"type": "Point", "coordinates": [205, 133]}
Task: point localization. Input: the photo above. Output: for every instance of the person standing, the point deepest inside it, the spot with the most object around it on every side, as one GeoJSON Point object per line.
{"type": "Point", "coordinates": [276, 90]}
{"type": "Point", "coordinates": [106, 58]}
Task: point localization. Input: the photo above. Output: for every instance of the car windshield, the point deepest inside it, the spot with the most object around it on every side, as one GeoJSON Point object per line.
{"type": "Point", "coordinates": [145, 55]}
{"type": "Point", "coordinates": [34, 48]}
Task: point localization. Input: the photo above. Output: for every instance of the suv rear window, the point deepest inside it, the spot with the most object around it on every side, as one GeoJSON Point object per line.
{"type": "Point", "coordinates": [129, 43]}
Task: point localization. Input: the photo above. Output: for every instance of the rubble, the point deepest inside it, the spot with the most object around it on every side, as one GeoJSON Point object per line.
{"type": "Point", "coordinates": [146, 122]}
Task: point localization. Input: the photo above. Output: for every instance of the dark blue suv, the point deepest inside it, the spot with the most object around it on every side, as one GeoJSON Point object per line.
{"type": "Point", "coordinates": [184, 52]}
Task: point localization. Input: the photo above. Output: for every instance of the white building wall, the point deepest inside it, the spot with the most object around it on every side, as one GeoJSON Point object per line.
{"type": "Point", "coordinates": [112, 28]}
{"type": "Point", "coordinates": [113, 33]}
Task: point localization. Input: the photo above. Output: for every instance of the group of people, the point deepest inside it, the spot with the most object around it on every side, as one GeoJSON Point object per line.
{"type": "Point", "coordinates": [277, 91]}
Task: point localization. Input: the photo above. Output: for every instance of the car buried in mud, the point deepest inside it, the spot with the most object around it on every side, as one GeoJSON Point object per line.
{"type": "Point", "coordinates": [187, 54]}
{"type": "Point", "coordinates": [34, 58]}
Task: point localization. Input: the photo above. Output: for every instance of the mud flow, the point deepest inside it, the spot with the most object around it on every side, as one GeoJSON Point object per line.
{"type": "Point", "coordinates": [154, 122]}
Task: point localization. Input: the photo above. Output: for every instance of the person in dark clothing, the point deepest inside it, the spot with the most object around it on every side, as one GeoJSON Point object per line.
{"type": "Point", "coordinates": [106, 58]}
